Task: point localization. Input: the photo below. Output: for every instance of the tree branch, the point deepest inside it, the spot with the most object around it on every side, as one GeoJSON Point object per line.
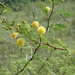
{"type": "Point", "coordinates": [56, 48]}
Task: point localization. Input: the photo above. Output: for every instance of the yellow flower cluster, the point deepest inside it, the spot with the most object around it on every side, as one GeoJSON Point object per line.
{"type": "Point", "coordinates": [35, 24]}
{"type": "Point", "coordinates": [40, 29]}
{"type": "Point", "coordinates": [19, 41]}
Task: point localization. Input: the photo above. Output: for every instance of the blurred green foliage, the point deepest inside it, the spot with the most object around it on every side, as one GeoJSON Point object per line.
{"type": "Point", "coordinates": [61, 34]}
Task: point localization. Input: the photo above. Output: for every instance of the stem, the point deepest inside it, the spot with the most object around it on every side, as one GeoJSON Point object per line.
{"type": "Point", "coordinates": [50, 15]}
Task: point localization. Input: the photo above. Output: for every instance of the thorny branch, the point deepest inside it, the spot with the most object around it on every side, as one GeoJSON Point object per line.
{"type": "Point", "coordinates": [55, 48]}
{"type": "Point", "coordinates": [36, 49]}
{"type": "Point", "coordinates": [51, 46]}
{"type": "Point", "coordinates": [22, 69]}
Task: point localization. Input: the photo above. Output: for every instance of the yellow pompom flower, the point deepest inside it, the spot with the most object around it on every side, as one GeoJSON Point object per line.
{"type": "Point", "coordinates": [48, 9]}
{"type": "Point", "coordinates": [14, 35]}
{"type": "Point", "coordinates": [41, 30]}
{"type": "Point", "coordinates": [35, 24]}
{"type": "Point", "coordinates": [20, 42]}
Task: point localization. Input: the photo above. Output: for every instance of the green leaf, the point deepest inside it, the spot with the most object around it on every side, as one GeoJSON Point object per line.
{"type": "Point", "coordinates": [59, 26]}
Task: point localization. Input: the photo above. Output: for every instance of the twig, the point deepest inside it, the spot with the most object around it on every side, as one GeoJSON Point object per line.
{"type": "Point", "coordinates": [50, 15]}
{"type": "Point", "coordinates": [56, 48]}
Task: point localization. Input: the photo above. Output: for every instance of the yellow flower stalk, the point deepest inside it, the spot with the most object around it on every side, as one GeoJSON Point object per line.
{"type": "Point", "coordinates": [20, 42]}
{"type": "Point", "coordinates": [35, 24]}
{"type": "Point", "coordinates": [41, 30]}
{"type": "Point", "coordinates": [14, 35]}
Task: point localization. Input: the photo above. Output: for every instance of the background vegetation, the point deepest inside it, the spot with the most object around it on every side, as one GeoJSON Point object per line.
{"type": "Point", "coordinates": [61, 34]}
